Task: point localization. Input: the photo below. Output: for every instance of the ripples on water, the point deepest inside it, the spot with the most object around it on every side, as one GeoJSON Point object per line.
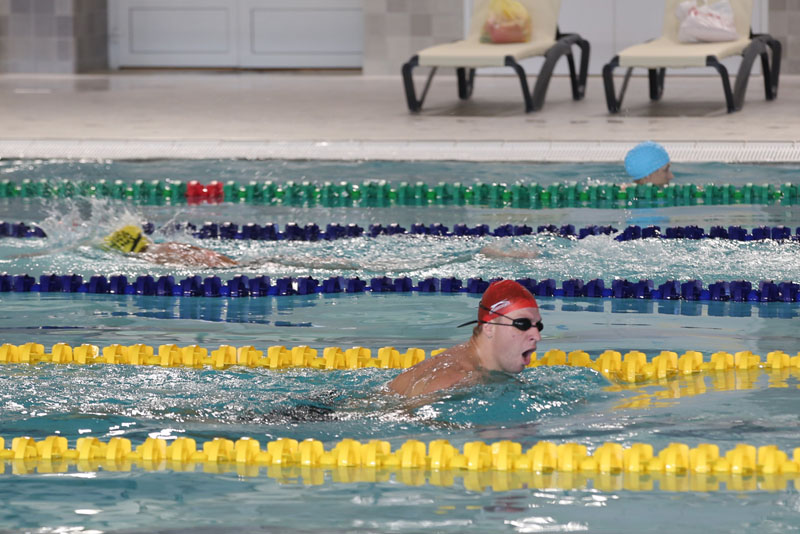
{"type": "Point", "coordinates": [106, 401]}
{"type": "Point", "coordinates": [76, 228]}
{"type": "Point", "coordinates": [430, 172]}
{"type": "Point", "coordinates": [558, 404]}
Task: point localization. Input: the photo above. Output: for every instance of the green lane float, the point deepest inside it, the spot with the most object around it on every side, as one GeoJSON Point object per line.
{"type": "Point", "coordinates": [377, 193]}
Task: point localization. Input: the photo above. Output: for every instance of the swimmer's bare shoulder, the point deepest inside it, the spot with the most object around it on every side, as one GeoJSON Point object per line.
{"type": "Point", "coordinates": [445, 370]}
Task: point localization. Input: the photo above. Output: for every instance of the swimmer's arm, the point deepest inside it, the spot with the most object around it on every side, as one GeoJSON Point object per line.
{"type": "Point", "coordinates": [50, 251]}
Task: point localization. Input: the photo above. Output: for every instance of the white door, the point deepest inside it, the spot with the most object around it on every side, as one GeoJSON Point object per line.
{"type": "Point", "coordinates": [301, 33]}
{"type": "Point", "coordinates": [236, 33]}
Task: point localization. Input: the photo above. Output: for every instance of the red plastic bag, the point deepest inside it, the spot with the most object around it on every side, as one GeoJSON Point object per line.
{"type": "Point", "coordinates": [508, 22]}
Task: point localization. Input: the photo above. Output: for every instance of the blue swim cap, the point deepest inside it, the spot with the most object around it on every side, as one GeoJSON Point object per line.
{"type": "Point", "coordinates": [645, 158]}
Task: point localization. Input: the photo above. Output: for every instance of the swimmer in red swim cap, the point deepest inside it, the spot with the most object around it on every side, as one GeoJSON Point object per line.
{"type": "Point", "coordinates": [508, 328]}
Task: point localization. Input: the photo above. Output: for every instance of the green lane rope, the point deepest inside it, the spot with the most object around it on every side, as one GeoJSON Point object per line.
{"type": "Point", "coordinates": [379, 193]}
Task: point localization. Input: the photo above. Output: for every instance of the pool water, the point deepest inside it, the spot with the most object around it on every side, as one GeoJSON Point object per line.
{"type": "Point", "coordinates": [560, 404]}
{"type": "Point", "coordinates": [430, 172]}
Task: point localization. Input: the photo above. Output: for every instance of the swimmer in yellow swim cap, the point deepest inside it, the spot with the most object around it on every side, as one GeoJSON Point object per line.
{"type": "Point", "coordinates": [131, 240]}
{"type": "Point", "coordinates": [127, 239]}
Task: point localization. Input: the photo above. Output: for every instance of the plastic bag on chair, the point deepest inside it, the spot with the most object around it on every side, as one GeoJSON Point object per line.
{"type": "Point", "coordinates": [508, 22]}
{"type": "Point", "coordinates": [706, 22]}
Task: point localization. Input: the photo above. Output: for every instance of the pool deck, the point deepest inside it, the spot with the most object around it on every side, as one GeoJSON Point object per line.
{"type": "Point", "coordinates": [344, 115]}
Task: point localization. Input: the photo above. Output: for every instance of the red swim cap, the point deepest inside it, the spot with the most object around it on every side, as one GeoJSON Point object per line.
{"type": "Point", "coordinates": [503, 297]}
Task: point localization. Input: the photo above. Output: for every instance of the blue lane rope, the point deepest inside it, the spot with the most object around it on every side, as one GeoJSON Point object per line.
{"type": "Point", "coordinates": [20, 229]}
{"type": "Point", "coordinates": [259, 286]}
{"type": "Point", "coordinates": [312, 231]}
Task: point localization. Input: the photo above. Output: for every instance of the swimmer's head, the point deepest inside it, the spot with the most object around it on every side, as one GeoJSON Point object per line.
{"type": "Point", "coordinates": [126, 239]}
{"type": "Point", "coordinates": [503, 297]}
{"type": "Point", "coordinates": [500, 298]}
{"type": "Point", "coordinates": [644, 159]}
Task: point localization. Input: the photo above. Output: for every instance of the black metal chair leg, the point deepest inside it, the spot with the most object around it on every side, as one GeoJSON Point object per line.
{"type": "Point", "coordinates": [523, 81]}
{"type": "Point", "coordinates": [579, 89]}
{"type": "Point", "coordinates": [415, 105]}
{"type": "Point", "coordinates": [612, 101]}
{"type": "Point", "coordinates": [765, 71]}
{"type": "Point", "coordinates": [563, 47]}
{"type": "Point", "coordinates": [711, 61]}
{"type": "Point", "coordinates": [656, 78]}
{"type": "Point", "coordinates": [771, 72]}
{"type": "Point", "coordinates": [466, 81]}
{"type": "Point", "coordinates": [546, 73]}
{"type": "Point", "coordinates": [756, 48]}
{"type": "Point", "coordinates": [578, 80]}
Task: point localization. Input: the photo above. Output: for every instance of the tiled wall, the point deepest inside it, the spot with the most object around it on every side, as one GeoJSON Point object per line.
{"type": "Point", "coordinates": [784, 25]}
{"type": "Point", "coordinates": [55, 36]}
{"type": "Point", "coordinates": [72, 35]}
{"type": "Point", "coordinates": [396, 29]}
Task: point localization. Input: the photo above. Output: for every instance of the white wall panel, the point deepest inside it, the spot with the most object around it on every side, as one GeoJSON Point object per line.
{"type": "Point", "coordinates": [178, 31]}
{"type": "Point", "coordinates": [174, 33]}
{"type": "Point", "coordinates": [236, 33]}
{"type": "Point", "coordinates": [301, 33]}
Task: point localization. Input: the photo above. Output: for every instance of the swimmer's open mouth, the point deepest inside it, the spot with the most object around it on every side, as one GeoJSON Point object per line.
{"type": "Point", "coordinates": [526, 356]}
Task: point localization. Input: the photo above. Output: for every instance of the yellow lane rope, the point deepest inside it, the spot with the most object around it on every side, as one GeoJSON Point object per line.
{"type": "Point", "coordinates": [500, 465]}
{"type": "Point", "coordinates": [632, 367]}
{"type": "Point", "coordinates": [665, 392]}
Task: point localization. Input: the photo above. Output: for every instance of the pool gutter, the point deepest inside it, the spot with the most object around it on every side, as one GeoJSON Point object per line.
{"type": "Point", "coordinates": [538, 151]}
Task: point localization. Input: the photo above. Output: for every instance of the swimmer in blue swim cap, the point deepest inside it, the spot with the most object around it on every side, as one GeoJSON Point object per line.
{"type": "Point", "coordinates": [130, 239]}
{"type": "Point", "coordinates": [648, 163]}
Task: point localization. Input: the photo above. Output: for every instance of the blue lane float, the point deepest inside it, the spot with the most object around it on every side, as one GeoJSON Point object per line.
{"type": "Point", "coordinates": [261, 286]}
{"type": "Point", "coordinates": [20, 229]}
{"type": "Point", "coordinates": [313, 232]}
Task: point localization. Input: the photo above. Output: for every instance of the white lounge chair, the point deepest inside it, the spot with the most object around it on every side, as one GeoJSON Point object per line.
{"type": "Point", "coordinates": [471, 53]}
{"type": "Point", "coordinates": [667, 52]}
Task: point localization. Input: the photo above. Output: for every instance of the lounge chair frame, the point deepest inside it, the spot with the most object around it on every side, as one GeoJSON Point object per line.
{"type": "Point", "coordinates": [760, 45]}
{"type": "Point", "coordinates": [534, 100]}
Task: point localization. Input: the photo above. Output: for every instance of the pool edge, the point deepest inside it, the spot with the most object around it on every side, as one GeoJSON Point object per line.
{"type": "Point", "coordinates": [520, 151]}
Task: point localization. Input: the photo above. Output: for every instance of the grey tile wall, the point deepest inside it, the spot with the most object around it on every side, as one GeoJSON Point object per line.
{"type": "Point", "coordinates": [784, 25]}
{"type": "Point", "coordinates": [53, 36]}
{"type": "Point", "coordinates": [72, 35]}
{"type": "Point", "coordinates": [396, 29]}
{"type": "Point", "coordinates": [91, 35]}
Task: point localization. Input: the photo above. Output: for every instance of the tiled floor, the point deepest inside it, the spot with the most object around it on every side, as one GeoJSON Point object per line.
{"type": "Point", "coordinates": [344, 115]}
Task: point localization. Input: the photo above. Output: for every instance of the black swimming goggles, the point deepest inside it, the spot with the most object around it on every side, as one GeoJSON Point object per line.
{"type": "Point", "coordinates": [523, 323]}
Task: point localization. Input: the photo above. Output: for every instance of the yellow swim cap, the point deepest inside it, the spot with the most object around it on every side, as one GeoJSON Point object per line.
{"type": "Point", "coordinates": [127, 239]}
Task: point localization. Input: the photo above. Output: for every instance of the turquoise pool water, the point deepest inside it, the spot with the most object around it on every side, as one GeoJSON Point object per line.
{"type": "Point", "coordinates": [393, 171]}
{"type": "Point", "coordinates": [556, 403]}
